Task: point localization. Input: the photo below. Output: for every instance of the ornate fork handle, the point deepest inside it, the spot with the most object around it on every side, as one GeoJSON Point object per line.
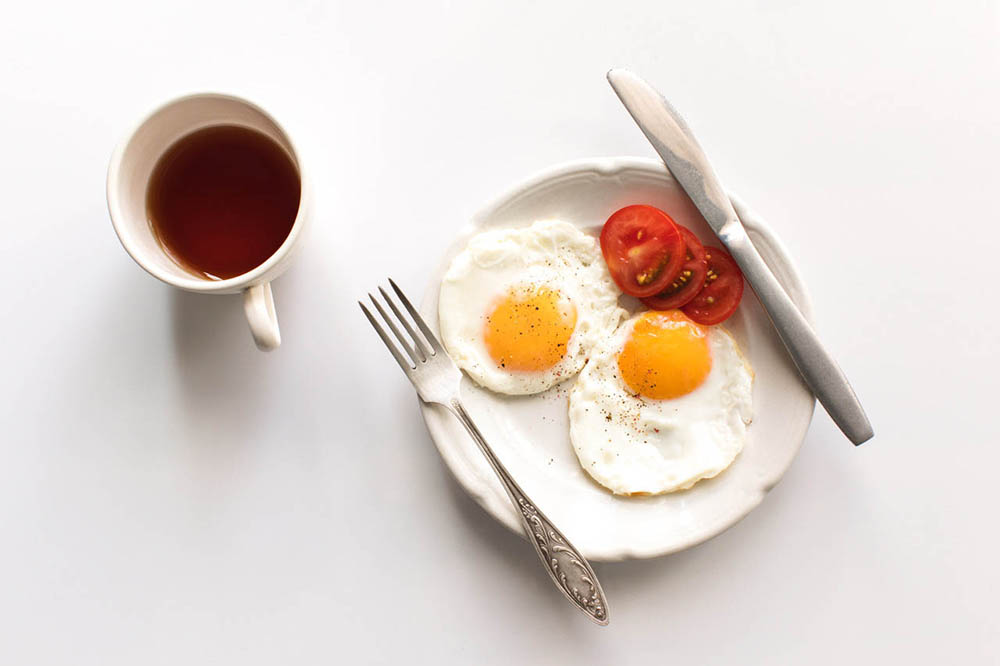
{"type": "Point", "coordinates": [569, 570]}
{"type": "Point", "coordinates": [438, 380]}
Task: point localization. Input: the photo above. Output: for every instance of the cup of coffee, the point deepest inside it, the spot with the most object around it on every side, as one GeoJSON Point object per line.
{"type": "Point", "coordinates": [208, 195]}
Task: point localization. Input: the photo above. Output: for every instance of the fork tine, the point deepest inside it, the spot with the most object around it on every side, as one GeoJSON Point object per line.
{"type": "Point", "coordinates": [407, 368]}
{"type": "Point", "coordinates": [421, 324]}
{"type": "Point", "coordinates": [399, 336]}
{"type": "Point", "coordinates": [424, 351]}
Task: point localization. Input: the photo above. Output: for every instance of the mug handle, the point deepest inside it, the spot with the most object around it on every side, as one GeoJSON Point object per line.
{"type": "Point", "coordinates": [258, 305]}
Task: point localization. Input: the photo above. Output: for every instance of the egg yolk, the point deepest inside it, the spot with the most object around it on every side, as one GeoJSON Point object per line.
{"type": "Point", "coordinates": [666, 355]}
{"type": "Point", "coordinates": [528, 330]}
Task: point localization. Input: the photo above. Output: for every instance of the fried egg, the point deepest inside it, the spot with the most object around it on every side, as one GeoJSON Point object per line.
{"type": "Point", "coordinates": [521, 309]}
{"type": "Point", "coordinates": [663, 403]}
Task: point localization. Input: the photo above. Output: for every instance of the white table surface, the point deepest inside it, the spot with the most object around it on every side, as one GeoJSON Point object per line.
{"type": "Point", "coordinates": [169, 495]}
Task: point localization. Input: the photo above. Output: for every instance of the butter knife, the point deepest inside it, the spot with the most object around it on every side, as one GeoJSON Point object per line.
{"type": "Point", "coordinates": [676, 145]}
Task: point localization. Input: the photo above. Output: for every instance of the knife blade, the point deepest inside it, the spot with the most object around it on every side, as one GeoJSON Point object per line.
{"type": "Point", "coordinates": [673, 140]}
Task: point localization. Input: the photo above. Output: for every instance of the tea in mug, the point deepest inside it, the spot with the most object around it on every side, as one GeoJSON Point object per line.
{"type": "Point", "coordinates": [222, 200]}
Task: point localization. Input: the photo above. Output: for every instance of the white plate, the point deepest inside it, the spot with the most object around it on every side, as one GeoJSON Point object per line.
{"type": "Point", "coordinates": [530, 433]}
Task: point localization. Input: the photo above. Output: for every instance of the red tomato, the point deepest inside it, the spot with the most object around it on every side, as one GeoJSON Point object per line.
{"type": "Point", "coordinates": [722, 291]}
{"type": "Point", "coordinates": [688, 282]}
{"type": "Point", "coordinates": [643, 249]}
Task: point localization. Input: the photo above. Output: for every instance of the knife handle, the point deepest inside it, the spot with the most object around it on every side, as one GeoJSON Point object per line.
{"type": "Point", "coordinates": [815, 364]}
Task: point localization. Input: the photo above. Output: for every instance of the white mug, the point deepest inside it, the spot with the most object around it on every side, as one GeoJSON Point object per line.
{"type": "Point", "coordinates": [128, 177]}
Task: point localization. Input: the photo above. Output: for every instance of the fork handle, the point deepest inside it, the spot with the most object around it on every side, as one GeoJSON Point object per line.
{"type": "Point", "coordinates": [568, 569]}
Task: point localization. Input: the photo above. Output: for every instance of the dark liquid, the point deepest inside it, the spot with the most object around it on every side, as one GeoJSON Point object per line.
{"type": "Point", "coordinates": [222, 200]}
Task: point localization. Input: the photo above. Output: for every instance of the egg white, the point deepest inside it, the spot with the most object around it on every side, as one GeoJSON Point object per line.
{"type": "Point", "coordinates": [635, 445]}
{"type": "Point", "coordinates": [549, 253]}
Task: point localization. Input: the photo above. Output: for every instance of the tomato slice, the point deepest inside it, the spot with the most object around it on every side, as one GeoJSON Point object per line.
{"type": "Point", "coordinates": [643, 249]}
{"type": "Point", "coordinates": [722, 291]}
{"type": "Point", "coordinates": [688, 282]}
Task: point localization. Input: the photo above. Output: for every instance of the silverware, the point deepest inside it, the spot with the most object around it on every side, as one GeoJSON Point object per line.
{"type": "Point", "coordinates": [676, 145]}
{"type": "Point", "coordinates": [437, 379]}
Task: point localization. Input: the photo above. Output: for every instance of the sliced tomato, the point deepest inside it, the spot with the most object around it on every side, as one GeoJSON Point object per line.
{"type": "Point", "coordinates": [722, 291]}
{"type": "Point", "coordinates": [688, 282]}
{"type": "Point", "coordinates": [643, 249]}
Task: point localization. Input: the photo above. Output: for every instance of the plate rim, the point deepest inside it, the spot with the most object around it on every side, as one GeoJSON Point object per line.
{"type": "Point", "coordinates": [604, 166]}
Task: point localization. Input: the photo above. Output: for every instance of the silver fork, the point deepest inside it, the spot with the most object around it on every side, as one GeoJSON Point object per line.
{"type": "Point", "coordinates": [437, 379]}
